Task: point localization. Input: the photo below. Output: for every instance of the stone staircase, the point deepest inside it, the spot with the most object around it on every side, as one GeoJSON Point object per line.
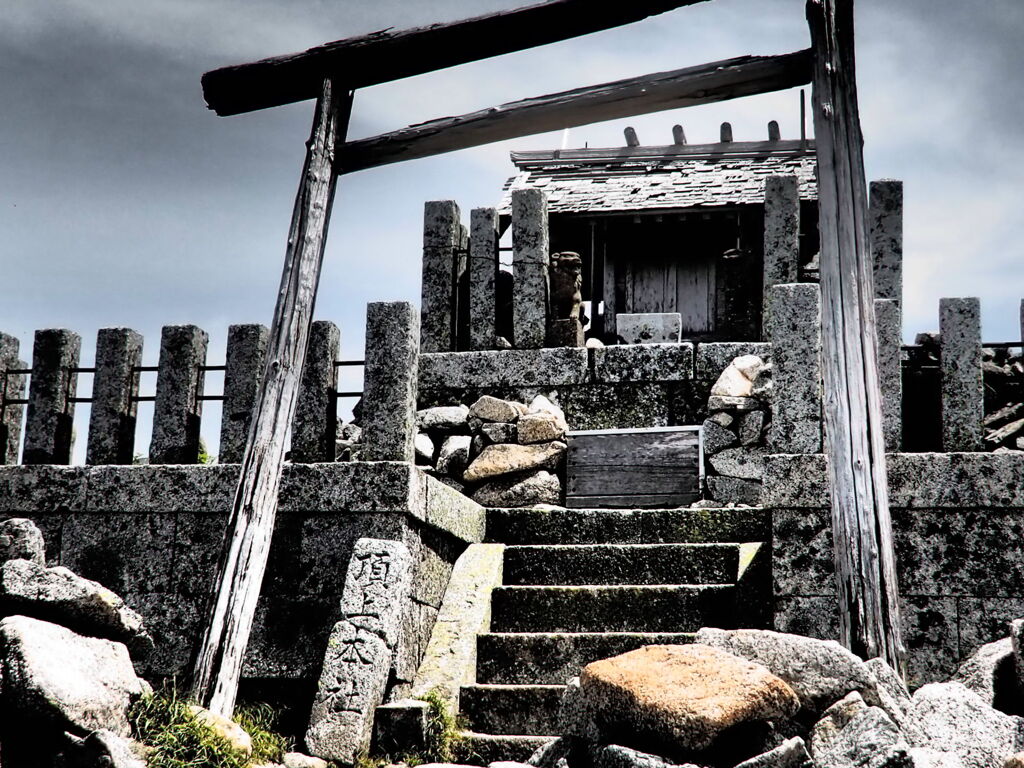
{"type": "Point", "coordinates": [581, 585]}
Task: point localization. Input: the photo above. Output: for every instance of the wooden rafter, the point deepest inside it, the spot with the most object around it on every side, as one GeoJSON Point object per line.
{"type": "Point", "coordinates": [703, 84]}
{"type": "Point", "coordinates": [392, 55]}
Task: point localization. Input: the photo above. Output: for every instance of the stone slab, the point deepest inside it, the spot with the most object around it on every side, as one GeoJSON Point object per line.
{"type": "Point", "coordinates": [114, 387]}
{"type": "Point", "coordinates": [795, 324]}
{"type": "Point", "coordinates": [441, 237]}
{"type": "Point", "coordinates": [49, 417]}
{"type": "Point", "coordinates": [178, 408]}
{"type": "Point", "coordinates": [963, 390]}
{"type": "Point", "coordinates": [552, 367]}
{"type": "Point", "coordinates": [643, 363]}
{"type": "Point", "coordinates": [390, 381]}
{"type": "Point", "coordinates": [889, 327]}
{"type": "Point", "coordinates": [885, 214]}
{"type": "Point", "coordinates": [531, 252]}
{"type": "Point", "coordinates": [315, 423]}
{"type": "Point", "coordinates": [781, 239]}
{"type": "Point", "coordinates": [243, 368]}
{"type": "Point", "coordinates": [649, 327]}
{"type": "Point", "coordinates": [616, 406]}
{"type": "Point", "coordinates": [483, 275]}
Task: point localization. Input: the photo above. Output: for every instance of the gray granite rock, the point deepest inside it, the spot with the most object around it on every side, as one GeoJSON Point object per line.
{"type": "Point", "coordinates": [483, 273]}
{"type": "Point", "coordinates": [732, 383]}
{"type": "Point", "coordinates": [795, 325]}
{"type": "Point", "coordinates": [424, 448]}
{"type": "Point", "coordinates": [499, 433]}
{"type": "Point", "coordinates": [441, 239]}
{"type": "Point", "coordinates": [540, 428]}
{"type": "Point", "coordinates": [50, 413]}
{"type": "Point", "coordinates": [554, 754]}
{"type": "Point", "coordinates": [243, 368]}
{"type": "Point", "coordinates": [453, 458]}
{"type": "Point", "coordinates": [744, 463]}
{"type": "Point", "coordinates": [722, 419]}
{"type": "Point", "coordinates": [726, 490]}
{"type": "Point", "coordinates": [390, 381]}
{"type": "Point", "coordinates": [963, 390]}
{"type": "Point", "coordinates": [360, 650]}
{"type": "Point", "coordinates": [506, 459]}
{"type": "Point", "coordinates": [520, 491]}
{"type": "Point", "coordinates": [21, 539]}
{"type": "Point", "coordinates": [530, 256]}
{"type": "Point", "coordinates": [751, 427]}
{"type": "Point", "coordinates": [989, 671]}
{"type": "Point", "coordinates": [885, 214]}
{"type": "Point", "coordinates": [721, 403]}
{"type": "Point", "coordinates": [649, 327]}
{"type": "Point", "coordinates": [315, 425]}
{"type": "Point", "coordinates": [179, 388]}
{"type": "Point", "coordinates": [72, 682]}
{"type": "Point", "coordinates": [889, 329]}
{"type": "Point", "coordinates": [643, 363]}
{"type": "Point", "coordinates": [717, 437]}
{"type": "Point", "coordinates": [445, 418]}
{"type": "Point", "coordinates": [114, 391]}
{"type": "Point", "coordinates": [494, 409]}
{"type": "Point", "coordinates": [299, 760]}
{"type": "Point", "coordinates": [854, 735]}
{"type": "Point", "coordinates": [947, 717]}
{"type": "Point", "coordinates": [615, 756]}
{"type": "Point", "coordinates": [109, 750]}
{"type": "Point", "coordinates": [893, 695]}
{"type": "Point", "coordinates": [551, 367]}
{"type": "Point", "coordinates": [781, 237]}
{"type": "Point", "coordinates": [57, 594]}
{"type": "Point", "coordinates": [1017, 638]}
{"type": "Point", "coordinates": [792, 753]}
{"type": "Point", "coordinates": [821, 672]}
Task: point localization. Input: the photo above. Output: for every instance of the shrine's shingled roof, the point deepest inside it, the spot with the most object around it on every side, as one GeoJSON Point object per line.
{"type": "Point", "coordinates": [659, 178]}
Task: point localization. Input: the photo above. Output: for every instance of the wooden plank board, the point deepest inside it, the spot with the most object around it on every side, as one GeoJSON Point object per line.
{"type": "Point", "coordinates": [390, 54]}
{"type": "Point", "coordinates": [703, 84]}
{"type": "Point", "coordinates": [641, 468]}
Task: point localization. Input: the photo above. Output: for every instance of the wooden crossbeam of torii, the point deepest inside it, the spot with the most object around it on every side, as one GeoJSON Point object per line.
{"type": "Point", "coordinates": [331, 73]}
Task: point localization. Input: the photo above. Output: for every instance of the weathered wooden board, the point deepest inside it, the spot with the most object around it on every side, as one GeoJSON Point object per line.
{"type": "Point", "coordinates": [642, 468]}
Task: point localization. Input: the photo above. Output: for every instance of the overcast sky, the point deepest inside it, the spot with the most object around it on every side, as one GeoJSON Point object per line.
{"type": "Point", "coordinates": [124, 201]}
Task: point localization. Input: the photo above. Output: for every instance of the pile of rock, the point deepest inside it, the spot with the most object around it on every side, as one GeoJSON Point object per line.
{"type": "Point", "coordinates": [736, 430]}
{"type": "Point", "coordinates": [499, 452]}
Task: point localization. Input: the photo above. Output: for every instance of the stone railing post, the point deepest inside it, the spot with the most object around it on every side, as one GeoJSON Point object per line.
{"type": "Point", "coordinates": [179, 389]}
{"type": "Point", "coordinates": [442, 234]}
{"type": "Point", "coordinates": [530, 254]}
{"type": "Point", "coordinates": [50, 418]}
{"type": "Point", "coordinates": [115, 385]}
{"type": "Point", "coordinates": [483, 276]}
{"type": "Point", "coordinates": [890, 371]}
{"type": "Point", "coordinates": [963, 390]}
{"type": "Point", "coordinates": [243, 366]}
{"type": "Point", "coordinates": [390, 382]}
{"type": "Point", "coordinates": [781, 240]}
{"type": "Point", "coordinates": [886, 219]}
{"type": "Point", "coordinates": [795, 331]}
{"type": "Point", "coordinates": [12, 387]}
{"type": "Point", "coordinates": [315, 426]}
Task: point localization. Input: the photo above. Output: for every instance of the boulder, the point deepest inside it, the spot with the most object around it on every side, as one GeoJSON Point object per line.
{"type": "Point", "coordinates": [791, 753]}
{"type": "Point", "coordinates": [499, 432]}
{"type": "Point", "coordinates": [57, 594]}
{"type": "Point", "coordinates": [1017, 638]}
{"type": "Point", "coordinates": [444, 418]}
{"type": "Point", "coordinates": [679, 697]}
{"type": "Point", "coordinates": [947, 717]}
{"type": "Point", "coordinates": [741, 463]}
{"type": "Point", "coordinates": [820, 671]}
{"type": "Point", "coordinates": [224, 727]}
{"type": "Point", "coordinates": [554, 754]}
{"type": "Point", "coordinates": [990, 671]}
{"type": "Point", "coordinates": [541, 404]}
{"type": "Point", "coordinates": [104, 748]}
{"type": "Point", "coordinates": [749, 365]}
{"type": "Point", "coordinates": [853, 735]}
{"type": "Point", "coordinates": [493, 409]}
{"type": "Point", "coordinates": [717, 437]}
{"type": "Point", "coordinates": [453, 458]}
{"type": "Point", "coordinates": [299, 760]}
{"type": "Point", "coordinates": [506, 459]}
{"type": "Point", "coordinates": [893, 695]}
{"type": "Point", "coordinates": [722, 419]}
{"type": "Point", "coordinates": [78, 684]}
{"type": "Point", "coordinates": [540, 428]}
{"type": "Point", "coordinates": [615, 756]}
{"type": "Point", "coordinates": [723, 403]}
{"type": "Point", "coordinates": [732, 383]}
{"type": "Point", "coordinates": [20, 539]}
{"type": "Point", "coordinates": [751, 427]}
{"type": "Point", "coordinates": [424, 448]}
{"type": "Point", "coordinates": [930, 758]}
{"type": "Point", "coordinates": [519, 491]}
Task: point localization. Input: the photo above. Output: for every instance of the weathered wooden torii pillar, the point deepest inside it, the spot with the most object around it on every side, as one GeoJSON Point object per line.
{"type": "Point", "coordinates": [331, 73]}
{"type": "Point", "coordinates": [869, 607]}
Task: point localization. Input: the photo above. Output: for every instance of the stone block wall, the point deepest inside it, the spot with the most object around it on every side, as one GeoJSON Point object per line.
{"type": "Point", "coordinates": [153, 534]}
{"type": "Point", "coordinates": [958, 519]}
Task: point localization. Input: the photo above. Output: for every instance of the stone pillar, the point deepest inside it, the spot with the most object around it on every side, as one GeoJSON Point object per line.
{"type": "Point", "coordinates": [886, 221]}
{"type": "Point", "coordinates": [360, 650]}
{"type": "Point", "coordinates": [890, 372]}
{"type": "Point", "coordinates": [115, 385]}
{"type": "Point", "coordinates": [390, 380]}
{"type": "Point", "coordinates": [531, 250]}
{"type": "Point", "coordinates": [50, 419]}
{"type": "Point", "coordinates": [795, 331]}
{"type": "Point", "coordinates": [442, 232]}
{"type": "Point", "coordinates": [243, 369]}
{"type": "Point", "coordinates": [179, 389]}
{"type": "Point", "coordinates": [781, 239]}
{"type": "Point", "coordinates": [963, 391]}
{"type": "Point", "coordinates": [483, 275]}
{"type": "Point", "coordinates": [315, 426]}
{"type": "Point", "coordinates": [12, 387]}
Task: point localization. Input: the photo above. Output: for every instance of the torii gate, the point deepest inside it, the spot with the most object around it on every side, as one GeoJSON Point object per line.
{"type": "Point", "coordinates": [865, 566]}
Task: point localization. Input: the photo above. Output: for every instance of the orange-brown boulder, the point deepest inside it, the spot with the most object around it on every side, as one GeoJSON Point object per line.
{"type": "Point", "coordinates": [679, 696]}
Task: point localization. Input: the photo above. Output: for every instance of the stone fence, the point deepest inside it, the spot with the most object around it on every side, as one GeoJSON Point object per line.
{"type": "Point", "coordinates": [957, 518]}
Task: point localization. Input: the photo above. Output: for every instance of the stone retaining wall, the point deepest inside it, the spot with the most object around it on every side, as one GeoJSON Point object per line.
{"type": "Point", "coordinates": [153, 535]}
{"type": "Point", "coordinates": [958, 523]}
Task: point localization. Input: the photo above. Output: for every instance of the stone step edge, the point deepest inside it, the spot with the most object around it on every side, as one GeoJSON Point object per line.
{"type": "Point", "coordinates": [487, 748]}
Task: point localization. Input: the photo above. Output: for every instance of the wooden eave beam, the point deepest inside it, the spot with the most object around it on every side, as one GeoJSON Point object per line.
{"type": "Point", "coordinates": [703, 84]}
{"type": "Point", "coordinates": [386, 55]}
{"type": "Point", "coordinates": [785, 148]}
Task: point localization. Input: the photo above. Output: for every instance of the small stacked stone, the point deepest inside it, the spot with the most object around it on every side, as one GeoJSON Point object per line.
{"type": "Point", "coordinates": [736, 431]}
{"type": "Point", "coordinates": [499, 452]}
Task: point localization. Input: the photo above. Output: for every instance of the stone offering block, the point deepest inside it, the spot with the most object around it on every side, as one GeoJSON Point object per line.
{"type": "Point", "coordinates": [680, 697]}
{"type": "Point", "coordinates": [650, 327]}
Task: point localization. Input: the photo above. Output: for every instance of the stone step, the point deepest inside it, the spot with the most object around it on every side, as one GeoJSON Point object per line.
{"type": "Point", "coordinates": [515, 710]}
{"type": "Point", "coordinates": [617, 526]}
{"type": "Point", "coordinates": [486, 748]}
{"type": "Point", "coordinates": [676, 608]}
{"type": "Point", "coordinates": [578, 564]}
{"type": "Point", "coordinates": [511, 658]}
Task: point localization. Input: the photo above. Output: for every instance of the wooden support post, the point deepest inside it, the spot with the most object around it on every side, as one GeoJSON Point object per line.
{"type": "Point", "coordinates": [51, 408]}
{"type": "Point", "coordinates": [12, 387]}
{"type": "Point", "coordinates": [251, 522]}
{"type": "Point", "coordinates": [246, 356]}
{"type": "Point", "coordinates": [315, 426]}
{"type": "Point", "coordinates": [115, 385]}
{"type": "Point", "coordinates": [178, 408]}
{"type": "Point", "coordinates": [869, 608]}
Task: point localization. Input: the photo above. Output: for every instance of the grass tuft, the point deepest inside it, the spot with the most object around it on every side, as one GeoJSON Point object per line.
{"type": "Point", "coordinates": [259, 721]}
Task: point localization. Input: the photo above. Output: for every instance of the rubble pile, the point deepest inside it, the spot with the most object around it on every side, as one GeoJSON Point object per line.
{"type": "Point", "coordinates": [735, 432]}
{"type": "Point", "coordinates": [1003, 374]}
{"type": "Point", "coordinates": [498, 452]}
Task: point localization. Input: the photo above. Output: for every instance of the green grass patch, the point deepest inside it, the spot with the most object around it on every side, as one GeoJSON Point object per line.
{"type": "Point", "coordinates": [259, 721]}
